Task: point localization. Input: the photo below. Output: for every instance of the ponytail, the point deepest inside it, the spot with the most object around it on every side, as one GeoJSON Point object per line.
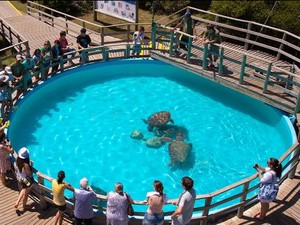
{"type": "Point", "coordinates": [276, 166]}
{"type": "Point", "coordinates": [158, 186]}
{"type": "Point", "coordinates": [61, 175]}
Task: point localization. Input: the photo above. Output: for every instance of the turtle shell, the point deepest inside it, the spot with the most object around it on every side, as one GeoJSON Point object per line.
{"type": "Point", "coordinates": [159, 118]}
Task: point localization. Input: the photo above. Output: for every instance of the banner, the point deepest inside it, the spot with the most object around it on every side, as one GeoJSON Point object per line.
{"type": "Point", "coordinates": [126, 10]}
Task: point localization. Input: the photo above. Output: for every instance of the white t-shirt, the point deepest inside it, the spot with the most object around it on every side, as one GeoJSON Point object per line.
{"type": "Point", "coordinates": [138, 37]}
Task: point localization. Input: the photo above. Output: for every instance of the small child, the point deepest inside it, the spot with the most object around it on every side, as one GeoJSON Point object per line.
{"type": "Point", "coordinates": [138, 37]}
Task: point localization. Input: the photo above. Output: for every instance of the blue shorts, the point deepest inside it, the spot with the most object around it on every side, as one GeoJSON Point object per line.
{"type": "Point", "coordinates": [154, 219]}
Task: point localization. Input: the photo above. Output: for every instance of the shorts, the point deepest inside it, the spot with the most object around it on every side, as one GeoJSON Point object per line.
{"type": "Point", "coordinates": [61, 207]}
{"type": "Point", "coordinates": [215, 49]}
{"type": "Point", "coordinates": [137, 49]}
{"type": "Point", "coordinates": [154, 219]}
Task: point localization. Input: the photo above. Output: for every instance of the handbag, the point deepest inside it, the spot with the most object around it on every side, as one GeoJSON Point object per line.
{"type": "Point", "coordinates": [268, 191]}
{"type": "Point", "coordinates": [27, 181]}
{"type": "Point", "coordinates": [130, 210]}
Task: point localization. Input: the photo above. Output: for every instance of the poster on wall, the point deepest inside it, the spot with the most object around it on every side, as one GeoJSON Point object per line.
{"type": "Point", "coordinates": [126, 10]}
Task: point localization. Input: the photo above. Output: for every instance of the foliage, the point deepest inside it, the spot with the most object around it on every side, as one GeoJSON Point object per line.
{"type": "Point", "coordinates": [169, 7]}
{"type": "Point", "coordinates": [284, 16]}
{"type": "Point", "coordinates": [71, 7]}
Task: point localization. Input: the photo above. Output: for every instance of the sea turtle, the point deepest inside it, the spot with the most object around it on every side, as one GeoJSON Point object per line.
{"type": "Point", "coordinates": [178, 149]}
{"type": "Point", "coordinates": [158, 119]}
{"type": "Point", "coordinates": [171, 131]}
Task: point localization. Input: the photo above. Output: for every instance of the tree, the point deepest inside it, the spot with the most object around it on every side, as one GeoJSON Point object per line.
{"type": "Point", "coordinates": [285, 14]}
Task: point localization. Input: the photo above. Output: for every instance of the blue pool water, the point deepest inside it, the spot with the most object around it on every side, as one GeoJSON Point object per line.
{"type": "Point", "coordinates": [80, 122]}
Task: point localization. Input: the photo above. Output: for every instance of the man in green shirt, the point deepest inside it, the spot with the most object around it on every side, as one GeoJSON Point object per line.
{"type": "Point", "coordinates": [212, 36]}
{"type": "Point", "coordinates": [187, 24]}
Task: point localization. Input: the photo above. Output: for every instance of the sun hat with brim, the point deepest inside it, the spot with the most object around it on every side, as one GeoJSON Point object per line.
{"type": "Point", "coordinates": [23, 153]}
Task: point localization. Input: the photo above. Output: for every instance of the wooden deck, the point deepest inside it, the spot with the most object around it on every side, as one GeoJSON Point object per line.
{"type": "Point", "coordinates": [285, 211]}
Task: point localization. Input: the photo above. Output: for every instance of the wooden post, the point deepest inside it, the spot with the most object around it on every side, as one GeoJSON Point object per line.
{"type": "Point", "coordinates": [127, 53]}
{"type": "Point", "coordinates": [204, 60]}
{"type": "Point", "coordinates": [171, 44]}
{"type": "Point", "coordinates": [267, 77]}
{"type": "Point", "coordinates": [243, 66]}
{"type": "Point", "coordinates": [281, 46]}
{"type": "Point", "coordinates": [104, 54]}
{"type": "Point", "coordinates": [83, 57]}
{"type": "Point", "coordinates": [67, 27]}
{"type": "Point", "coordinates": [153, 35]}
{"type": "Point", "coordinates": [221, 61]}
{"type": "Point", "coordinates": [246, 46]}
{"type": "Point", "coordinates": [102, 36]}
{"type": "Point", "coordinates": [43, 202]}
{"type": "Point", "coordinates": [94, 11]}
{"type": "Point", "coordinates": [42, 68]}
{"type": "Point", "coordinates": [291, 174]}
{"type": "Point", "coordinates": [206, 210]}
{"type": "Point", "coordinates": [128, 33]}
{"type": "Point", "coordinates": [61, 63]}
{"type": "Point", "coordinates": [243, 199]}
{"type": "Point", "coordinates": [189, 50]}
{"type": "Point", "coordinates": [2, 30]}
{"type": "Point", "coordinates": [52, 19]}
{"type": "Point", "coordinates": [297, 107]}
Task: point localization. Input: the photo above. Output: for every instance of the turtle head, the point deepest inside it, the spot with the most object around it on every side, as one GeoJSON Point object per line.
{"type": "Point", "coordinates": [150, 128]}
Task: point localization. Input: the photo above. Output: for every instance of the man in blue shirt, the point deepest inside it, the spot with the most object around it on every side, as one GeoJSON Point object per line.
{"type": "Point", "coordinates": [83, 203]}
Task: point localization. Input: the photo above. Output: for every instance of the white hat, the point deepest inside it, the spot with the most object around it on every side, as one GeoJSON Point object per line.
{"type": "Point", "coordinates": [23, 153]}
{"type": "Point", "coordinates": [19, 57]}
{"type": "Point", "coordinates": [4, 78]}
{"type": "Point", "coordinates": [8, 69]}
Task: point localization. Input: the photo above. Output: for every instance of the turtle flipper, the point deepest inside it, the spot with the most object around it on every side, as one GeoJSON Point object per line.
{"type": "Point", "coordinates": [172, 121]}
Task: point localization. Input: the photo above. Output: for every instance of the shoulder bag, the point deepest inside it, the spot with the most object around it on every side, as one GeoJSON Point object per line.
{"type": "Point", "coordinates": [130, 210]}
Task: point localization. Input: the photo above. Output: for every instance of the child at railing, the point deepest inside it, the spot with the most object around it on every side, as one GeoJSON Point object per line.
{"type": "Point", "coordinates": [83, 41]}
{"type": "Point", "coordinates": [138, 37]}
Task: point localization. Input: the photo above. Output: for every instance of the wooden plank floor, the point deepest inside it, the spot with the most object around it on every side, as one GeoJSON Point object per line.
{"type": "Point", "coordinates": [285, 211]}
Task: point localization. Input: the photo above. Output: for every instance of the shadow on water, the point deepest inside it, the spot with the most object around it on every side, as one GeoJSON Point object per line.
{"type": "Point", "coordinates": [171, 131]}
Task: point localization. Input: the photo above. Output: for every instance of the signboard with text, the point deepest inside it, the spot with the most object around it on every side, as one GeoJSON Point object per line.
{"type": "Point", "coordinates": [126, 10]}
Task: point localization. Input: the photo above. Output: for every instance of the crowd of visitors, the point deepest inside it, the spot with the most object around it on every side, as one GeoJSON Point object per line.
{"type": "Point", "coordinates": [118, 201]}
{"type": "Point", "coordinates": [19, 75]}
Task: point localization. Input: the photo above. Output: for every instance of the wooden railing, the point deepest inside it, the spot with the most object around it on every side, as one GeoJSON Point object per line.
{"type": "Point", "coordinates": [117, 33]}
{"type": "Point", "coordinates": [249, 34]}
{"type": "Point", "coordinates": [242, 193]}
{"type": "Point", "coordinates": [273, 74]}
{"type": "Point", "coordinates": [17, 42]}
{"type": "Point", "coordinates": [208, 206]}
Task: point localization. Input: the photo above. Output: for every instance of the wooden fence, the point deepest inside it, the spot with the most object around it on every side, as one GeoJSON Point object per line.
{"type": "Point", "coordinates": [242, 193]}
{"type": "Point", "coordinates": [17, 42]}
{"type": "Point", "coordinates": [208, 205]}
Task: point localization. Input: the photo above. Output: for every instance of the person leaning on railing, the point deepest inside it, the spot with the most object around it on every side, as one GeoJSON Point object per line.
{"type": "Point", "coordinates": [65, 45]}
{"type": "Point", "coordinates": [58, 188]}
{"type": "Point", "coordinates": [211, 36]}
{"type": "Point", "coordinates": [271, 175]}
{"type": "Point", "coordinates": [18, 71]}
{"type": "Point", "coordinates": [29, 66]}
{"type": "Point", "coordinates": [84, 198]}
{"type": "Point", "coordinates": [5, 151]}
{"type": "Point", "coordinates": [83, 42]}
{"type": "Point", "coordinates": [185, 205]}
{"type": "Point", "coordinates": [188, 26]}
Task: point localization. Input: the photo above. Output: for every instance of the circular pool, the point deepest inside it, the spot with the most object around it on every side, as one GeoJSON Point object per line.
{"type": "Point", "coordinates": [80, 121]}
